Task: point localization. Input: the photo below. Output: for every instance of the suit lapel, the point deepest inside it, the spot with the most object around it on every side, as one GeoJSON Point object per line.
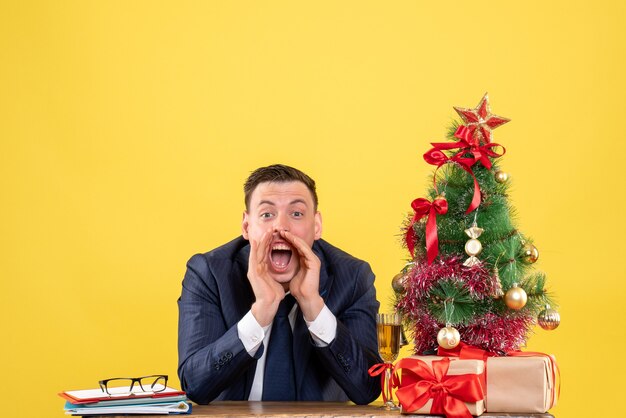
{"type": "Point", "coordinates": [237, 297]}
{"type": "Point", "coordinates": [243, 297]}
{"type": "Point", "coordinates": [236, 292]}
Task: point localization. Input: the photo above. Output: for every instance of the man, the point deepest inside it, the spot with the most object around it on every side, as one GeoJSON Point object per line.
{"type": "Point", "coordinates": [240, 336]}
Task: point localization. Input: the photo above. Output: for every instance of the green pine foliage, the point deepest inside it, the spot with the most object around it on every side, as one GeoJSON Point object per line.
{"type": "Point", "coordinates": [450, 302]}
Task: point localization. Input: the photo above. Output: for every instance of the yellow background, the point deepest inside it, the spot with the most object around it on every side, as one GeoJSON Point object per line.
{"type": "Point", "coordinates": [128, 128]}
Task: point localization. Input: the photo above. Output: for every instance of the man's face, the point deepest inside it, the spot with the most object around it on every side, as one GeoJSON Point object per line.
{"type": "Point", "coordinates": [276, 207]}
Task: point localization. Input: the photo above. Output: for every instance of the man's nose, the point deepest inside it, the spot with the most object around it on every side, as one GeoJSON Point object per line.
{"type": "Point", "coordinates": [281, 223]}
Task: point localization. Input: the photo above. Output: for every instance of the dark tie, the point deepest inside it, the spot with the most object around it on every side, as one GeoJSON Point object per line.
{"type": "Point", "coordinates": [279, 381]}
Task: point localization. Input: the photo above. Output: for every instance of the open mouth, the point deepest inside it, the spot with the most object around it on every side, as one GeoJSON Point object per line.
{"type": "Point", "coordinates": [280, 256]}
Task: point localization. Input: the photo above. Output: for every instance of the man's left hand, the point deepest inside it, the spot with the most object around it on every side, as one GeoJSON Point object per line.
{"type": "Point", "coordinates": [305, 284]}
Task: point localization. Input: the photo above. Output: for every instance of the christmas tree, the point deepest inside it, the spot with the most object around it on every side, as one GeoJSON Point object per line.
{"type": "Point", "coordinates": [471, 274]}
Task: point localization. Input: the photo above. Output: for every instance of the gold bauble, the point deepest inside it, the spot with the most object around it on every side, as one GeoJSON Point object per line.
{"type": "Point", "coordinates": [530, 253]}
{"type": "Point", "coordinates": [501, 176]}
{"type": "Point", "coordinates": [549, 319]}
{"type": "Point", "coordinates": [515, 297]}
{"type": "Point", "coordinates": [473, 247]}
{"type": "Point", "coordinates": [448, 337]}
{"type": "Point", "coordinates": [397, 283]}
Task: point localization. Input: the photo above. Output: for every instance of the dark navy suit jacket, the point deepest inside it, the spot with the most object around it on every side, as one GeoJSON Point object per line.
{"type": "Point", "coordinates": [212, 361]}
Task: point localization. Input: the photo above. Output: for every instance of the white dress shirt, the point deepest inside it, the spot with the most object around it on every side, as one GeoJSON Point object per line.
{"type": "Point", "coordinates": [323, 330]}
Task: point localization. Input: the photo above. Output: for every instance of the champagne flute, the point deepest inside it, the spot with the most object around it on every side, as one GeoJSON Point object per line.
{"type": "Point", "coordinates": [388, 328]}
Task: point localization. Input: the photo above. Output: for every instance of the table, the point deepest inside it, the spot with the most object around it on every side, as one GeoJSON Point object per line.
{"type": "Point", "coordinates": [311, 410]}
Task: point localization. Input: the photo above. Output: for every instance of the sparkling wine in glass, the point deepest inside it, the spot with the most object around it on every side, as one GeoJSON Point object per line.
{"type": "Point", "coordinates": [388, 328]}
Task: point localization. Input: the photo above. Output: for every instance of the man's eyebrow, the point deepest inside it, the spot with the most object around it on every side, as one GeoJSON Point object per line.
{"type": "Point", "coordinates": [293, 202]}
{"type": "Point", "coordinates": [266, 202]}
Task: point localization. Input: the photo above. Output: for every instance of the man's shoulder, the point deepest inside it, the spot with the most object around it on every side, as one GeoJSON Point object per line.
{"type": "Point", "coordinates": [233, 251]}
{"type": "Point", "coordinates": [230, 250]}
{"type": "Point", "coordinates": [335, 255]}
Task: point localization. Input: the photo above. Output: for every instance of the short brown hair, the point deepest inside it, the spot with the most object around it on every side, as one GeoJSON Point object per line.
{"type": "Point", "coordinates": [277, 173]}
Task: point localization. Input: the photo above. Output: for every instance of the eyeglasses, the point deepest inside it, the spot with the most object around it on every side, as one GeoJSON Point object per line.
{"type": "Point", "coordinates": [124, 386]}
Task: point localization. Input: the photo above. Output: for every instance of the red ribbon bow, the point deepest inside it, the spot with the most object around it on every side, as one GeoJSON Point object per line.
{"type": "Point", "coordinates": [467, 144]}
{"type": "Point", "coordinates": [381, 369]}
{"type": "Point", "coordinates": [447, 392]}
{"type": "Point", "coordinates": [424, 207]}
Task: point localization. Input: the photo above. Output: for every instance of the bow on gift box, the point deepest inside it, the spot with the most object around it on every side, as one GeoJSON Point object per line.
{"type": "Point", "coordinates": [447, 392]}
{"type": "Point", "coordinates": [468, 145]}
{"type": "Point", "coordinates": [424, 207]}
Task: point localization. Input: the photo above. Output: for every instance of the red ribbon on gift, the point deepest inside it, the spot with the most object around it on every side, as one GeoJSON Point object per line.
{"type": "Point", "coordinates": [466, 352]}
{"type": "Point", "coordinates": [467, 145]}
{"type": "Point", "coordinates": [381, 369]}
{"type": "Point", "coordinates": [447, 392]}
{"type": "Point", "coordinates": [424, 207]}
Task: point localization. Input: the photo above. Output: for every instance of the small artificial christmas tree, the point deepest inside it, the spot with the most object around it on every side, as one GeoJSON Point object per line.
{"type": "Point", "coordinates": [470, 277]}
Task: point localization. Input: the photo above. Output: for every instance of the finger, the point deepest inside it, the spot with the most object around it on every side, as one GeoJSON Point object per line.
{"type": "Point", "coordinates": [302, 247]}
{"type": "Point", "coordinates": [261, 251]}
{"type": "Point", "coordinates": [296, 241]}
{"type": "Point", "coordinates": [254, 245]}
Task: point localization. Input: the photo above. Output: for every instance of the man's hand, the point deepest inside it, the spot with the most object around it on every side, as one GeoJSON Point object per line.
{"type": "Point", "coordinates": [305, 284]}
{"type": "Point", "coordinates": [268, 292]}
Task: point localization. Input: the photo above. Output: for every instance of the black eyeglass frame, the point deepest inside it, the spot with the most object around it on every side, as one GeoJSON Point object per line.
{"type": "Point", "coordinates": [104, 383]}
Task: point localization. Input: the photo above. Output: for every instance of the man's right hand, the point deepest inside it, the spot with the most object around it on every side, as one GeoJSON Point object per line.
{"type": "Point", "coordinates": [267, 291]}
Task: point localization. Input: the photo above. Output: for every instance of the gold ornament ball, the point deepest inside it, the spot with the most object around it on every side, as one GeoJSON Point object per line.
{"type": "Point", "coordinates": [448, 337]}
{"type": "Point", "coordinates": [473, 247]}
{"type": "Point", "coordinates": [515, 297]}
{"type": "Point", "coordinates": [397, 283]}
{"type": "Point", "coordinates": [501, 176]}
{"type": "Point", "coordinates": [549, 319]}
{"type": "Point", "coordinates": [530, 253]}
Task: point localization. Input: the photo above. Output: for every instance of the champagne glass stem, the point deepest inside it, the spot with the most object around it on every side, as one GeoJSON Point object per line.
{"type": "Point", "coordinates": [388, 385]}
{"type": "Point", "coordinates": [389, 405]}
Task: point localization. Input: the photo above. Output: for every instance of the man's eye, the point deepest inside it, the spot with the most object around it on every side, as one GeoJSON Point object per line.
{"type": "Point", "coordinates": [298, 214]}
{"type": "Point", "coordinates": [266, 215]}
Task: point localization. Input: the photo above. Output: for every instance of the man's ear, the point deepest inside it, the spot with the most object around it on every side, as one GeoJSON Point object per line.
{"type": "Point", "coordinates": [244, 225]}
{"type": "Point", "coordinates": [318, 225]}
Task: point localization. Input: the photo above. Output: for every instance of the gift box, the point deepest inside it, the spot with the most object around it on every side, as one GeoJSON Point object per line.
{"type": "Point", "coordinates": [521, 383]}
{"type": "Point", "coordinates": [441, 386]}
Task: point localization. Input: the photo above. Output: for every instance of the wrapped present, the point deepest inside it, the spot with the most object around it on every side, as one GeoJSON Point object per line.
{"type": "Point", "coordinates": [521, 382]}
{"type": "Point", "coordinates": [441, 386]}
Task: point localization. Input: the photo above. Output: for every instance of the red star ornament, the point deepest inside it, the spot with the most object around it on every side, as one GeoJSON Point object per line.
{"type": "Point", "coordinates": [480, 121]}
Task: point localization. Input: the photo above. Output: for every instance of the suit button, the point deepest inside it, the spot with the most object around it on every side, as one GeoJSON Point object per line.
{"type": "Point", "coordinates": [229, 355]}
